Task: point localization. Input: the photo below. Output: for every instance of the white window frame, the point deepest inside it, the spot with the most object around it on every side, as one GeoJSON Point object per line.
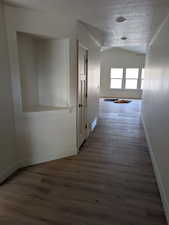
{"type": "Point", "coordinates": [136, 79]}
{"type": "Point", "coordinates": [117, 78]}
{"type": "Point", "coordinates": [123, 87]}
{"type": "Point", "coordinates": [141, 78]}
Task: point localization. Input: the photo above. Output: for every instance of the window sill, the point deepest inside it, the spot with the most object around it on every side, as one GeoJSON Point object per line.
{"type": "Point", "coordinates": [125, 89]}
{"type": "Point", "coordinates": [116, 89]}
{"type": "Point", "coordinates": [45, 110]}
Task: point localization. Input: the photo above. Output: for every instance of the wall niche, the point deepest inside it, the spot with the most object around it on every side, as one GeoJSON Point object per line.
{"type": "Point", "coordinates": [44, 72]}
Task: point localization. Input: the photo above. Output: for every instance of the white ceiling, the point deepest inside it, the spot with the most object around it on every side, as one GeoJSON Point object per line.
{"type": "Point", "coordinates": [143, 18]}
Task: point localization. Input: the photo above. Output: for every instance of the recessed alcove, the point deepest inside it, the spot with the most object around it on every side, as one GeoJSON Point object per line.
{"type": "Point", "coordinates": [44, 72]}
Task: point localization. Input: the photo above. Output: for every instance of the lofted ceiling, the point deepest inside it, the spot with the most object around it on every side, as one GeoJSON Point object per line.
{"type": "Point", "coordinates": [143, 18]}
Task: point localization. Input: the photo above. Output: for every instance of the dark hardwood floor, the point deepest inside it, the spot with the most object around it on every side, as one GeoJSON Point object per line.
{"type": "Point", "coordinates": [111, 181]}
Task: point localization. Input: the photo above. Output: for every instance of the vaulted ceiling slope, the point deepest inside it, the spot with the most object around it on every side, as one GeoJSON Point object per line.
{"type": "Point", "coordinates": [143, 17]}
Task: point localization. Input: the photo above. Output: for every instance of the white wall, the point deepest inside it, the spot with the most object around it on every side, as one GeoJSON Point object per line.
{"type": "Point", "coordinates": [93, 72]}
{"type": "Point", "coordinates": [51, 134]}
{"type": "Point", "coordinates": [117, 57]}
{"type": "Point", "coordinates": [53, 72]}
{"type": "Point", "coordinates": [156, 108]}
{"type": "Point", "coordinates": [7, 133]}
{"type": "Point", "coordinates": [28, 70]}
{"type": "Point", "coordinates": [41, 135]}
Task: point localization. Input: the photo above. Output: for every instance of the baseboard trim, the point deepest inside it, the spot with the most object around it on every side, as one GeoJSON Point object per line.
{"type": "Point", "coordinates": [157, 174]}
{"type": "Point", "coordinates": [93, 124]}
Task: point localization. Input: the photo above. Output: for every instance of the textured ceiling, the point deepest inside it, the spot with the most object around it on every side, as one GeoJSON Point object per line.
{"type": "Point", "coordinates": [143, 17]}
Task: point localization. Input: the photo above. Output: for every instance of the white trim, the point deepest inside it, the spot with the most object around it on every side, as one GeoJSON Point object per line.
{"type": "Point", "coordinates": [158, 30]}
{"type": "Point", "coordinates": [124, 79]}
{"type": "Point", "coordinates": [94, 39]}
{"type": "Point", "coordinates": [91, 127]}
{"type": "Point", "coordinates": [80, 45]}
{"type": "Point", "coordinates": [157, 173]}
{"type": "Point", "coordinates": [93, 124]}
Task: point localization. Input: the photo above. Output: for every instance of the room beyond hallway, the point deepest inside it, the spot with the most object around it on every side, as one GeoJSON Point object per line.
{"type": "Point", "coordinates": [111, 181]}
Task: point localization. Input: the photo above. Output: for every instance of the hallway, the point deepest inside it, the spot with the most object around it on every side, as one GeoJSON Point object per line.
{"type": "Point", "coordinates": [111, 181]}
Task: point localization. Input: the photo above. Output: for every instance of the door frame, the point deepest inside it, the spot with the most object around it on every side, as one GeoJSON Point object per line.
{"type": "Point", "coordinates": [80, 45]}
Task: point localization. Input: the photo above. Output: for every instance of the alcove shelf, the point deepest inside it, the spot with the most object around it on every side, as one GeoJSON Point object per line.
{"type": "Point", "coordinates": [44, 72]}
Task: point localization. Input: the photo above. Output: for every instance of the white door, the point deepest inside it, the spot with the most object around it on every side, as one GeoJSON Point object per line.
{"type": "Point", "coordinates": [82, 94]}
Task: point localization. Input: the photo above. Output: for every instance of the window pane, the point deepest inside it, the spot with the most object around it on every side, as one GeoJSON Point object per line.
{"type": "Point", "coordinates": [116, 72]}
{"type": "Point", "coordinates": [132, 73]}
{"type": "Point", "coordinates": [131, 84]}
{"type": "Point", "coordinates": [142, 84]}
{"type": "Point", "coordinates": [142, 73]}
{"type": "Point", "coordinates": [116, 83]}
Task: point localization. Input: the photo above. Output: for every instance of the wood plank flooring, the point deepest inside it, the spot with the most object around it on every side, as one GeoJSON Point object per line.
{"type": "Point", "coordinates": [111, 181]}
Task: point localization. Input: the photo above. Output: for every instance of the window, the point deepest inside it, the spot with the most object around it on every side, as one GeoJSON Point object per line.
{"type": "Point", "coordinates": [142, 78]}
{"type": "Point", "coordinates": [126, 78]}
{"type": "Point", "coordinates": [116, 78]}
{"type": "Point", "coordinates": [131, 78]}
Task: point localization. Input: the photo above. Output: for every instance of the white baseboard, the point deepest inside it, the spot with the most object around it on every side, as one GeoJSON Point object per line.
{"type": "Point", "coordinates": [157, 174]}
{"type": "Point", "coordinates": [93, 124]}
{"type": "Point", "coordinates": [91, 127]}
